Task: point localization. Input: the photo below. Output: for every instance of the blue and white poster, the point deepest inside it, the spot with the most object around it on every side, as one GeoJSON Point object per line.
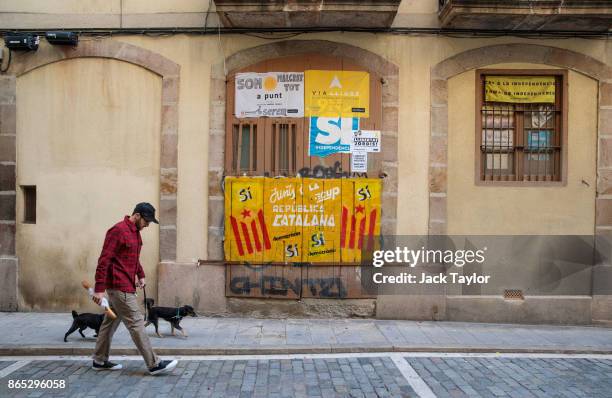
{"type": "Point", "coordinates": [538, 139]}
{"type": "Point", "coordinates": [329, 135]}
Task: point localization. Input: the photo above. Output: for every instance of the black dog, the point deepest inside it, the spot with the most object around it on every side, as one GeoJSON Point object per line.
{"type": "Point", "coordinates": [84, 321]}
{"type": "Point", "coordinates": [169, 314]}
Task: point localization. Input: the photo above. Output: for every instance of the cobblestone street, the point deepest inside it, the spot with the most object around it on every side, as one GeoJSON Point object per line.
{"type": "Point", "coordinates": [342, 375]}
{"type": "Point", "coordinates": [516, 377]}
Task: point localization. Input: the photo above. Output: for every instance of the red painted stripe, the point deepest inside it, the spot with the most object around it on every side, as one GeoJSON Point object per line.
{"type": "Point", "coordinates": [371, 229]}
{"type": "Point", "coordinates": [352, 237]}
{"type": "Point", "coordinates": [255, 236]}
{"type": "Point", "coordinates": [247, 238]}
{"type": "Point", "coordinates": [264, 230]}
{"type": "Point", "coordinates": [343, 228]}
{"type": "Point", "coordinates": [361, 231]}
{"type": "Point", "coordinates": [237, 235]}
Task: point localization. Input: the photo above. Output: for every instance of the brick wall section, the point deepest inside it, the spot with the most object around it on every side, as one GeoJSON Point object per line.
{"type": "Point", "coordinates": [8, 260]}
{"type": "Point", "coordinates": [7, 162]}
{"type": "Point", "coordinates": [388, 72]}
{"type": "Point", "coordinates": [162, 66]}
{"type": "Point", "coordinates": [216, 161]}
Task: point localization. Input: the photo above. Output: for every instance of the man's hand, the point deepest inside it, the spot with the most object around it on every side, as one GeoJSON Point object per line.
{"type": "Point", "coordinates": [141, 283]}
{"type": "Point", "coordinates": [97, 298]}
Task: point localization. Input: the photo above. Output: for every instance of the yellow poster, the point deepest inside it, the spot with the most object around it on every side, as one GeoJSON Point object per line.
{"type": "Point", "coordinates": [335, 93]}
{"type": "Point", "coordinates": [284, 217]}
{"type": "Point", "coordinates": [290, 220]}
{"type": "Point", "coordinates": [321, 239]}
{"type": "Point", "coordinates": [245, 220]}
{"type": "Point", "coordinates": [360, 217]}
{"type": "Point", "coordinates": [520, 89]}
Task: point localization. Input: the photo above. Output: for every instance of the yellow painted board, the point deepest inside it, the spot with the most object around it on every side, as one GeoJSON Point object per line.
{"type": "Point", "coordinates": [292, 220]}
{"type": "Point", "coordinates": [321, 234]}
{"type": "Point", "coordinates": [282, 201]}
{"type": "Point", "coordinates": [244, 221]}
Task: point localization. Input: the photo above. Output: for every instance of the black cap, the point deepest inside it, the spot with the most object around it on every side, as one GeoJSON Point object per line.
{"type": "Point", "coordinates": [146, 211]}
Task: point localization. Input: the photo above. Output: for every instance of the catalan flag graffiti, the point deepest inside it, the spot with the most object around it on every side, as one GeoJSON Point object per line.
{"type": "Point", "coordinates": [289, 220]}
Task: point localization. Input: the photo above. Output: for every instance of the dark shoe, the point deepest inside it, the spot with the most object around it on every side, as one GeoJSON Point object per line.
{"type": "Point", "coordinates": [163, 367]}
{"type": "Point", "coordinates": [106, 366]}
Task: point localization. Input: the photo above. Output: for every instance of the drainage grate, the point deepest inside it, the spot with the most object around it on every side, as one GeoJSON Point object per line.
{"type": "Point", "coordinates": [513, 294]}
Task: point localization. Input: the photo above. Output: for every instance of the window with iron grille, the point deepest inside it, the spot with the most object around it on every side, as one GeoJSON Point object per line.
{"type": "Point", "coordinates": [265, 147]}
{"type": "Point", "coordinates": [521, 142]}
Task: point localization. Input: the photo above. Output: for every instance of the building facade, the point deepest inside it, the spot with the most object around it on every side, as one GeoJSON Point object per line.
{"type": "Point", "coordinates": [143, 109]}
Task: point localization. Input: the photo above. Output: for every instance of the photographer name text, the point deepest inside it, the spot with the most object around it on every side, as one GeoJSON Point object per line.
{"type": "Point", "coordinates": [429, 279]}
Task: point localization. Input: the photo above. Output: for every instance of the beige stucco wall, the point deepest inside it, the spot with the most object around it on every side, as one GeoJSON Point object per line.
{"type": "Point", "coordinates": [155, 13]}
{"type": "Point", "coordinates": [491, 210]}
{"type": "Point", "coordinates": [60, 6]}
{"type": "Point", "coordinates": [88, 134]}
{"type": "Point", "coordinates": [414, 55]}
{"type": "Point", "coordinates": [104, 6]}
{"type": "Point", "coordinates": [106, 14]}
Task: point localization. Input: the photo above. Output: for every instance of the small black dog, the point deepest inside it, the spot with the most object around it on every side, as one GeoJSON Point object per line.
{"type": "Point", "coordinates": [84, 321]}
{"type": "Point", "coordinates": [169, 314]}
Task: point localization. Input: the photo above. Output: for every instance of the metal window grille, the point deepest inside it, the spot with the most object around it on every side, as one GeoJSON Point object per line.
{"type": "Point", "coordinates": [521, 142]}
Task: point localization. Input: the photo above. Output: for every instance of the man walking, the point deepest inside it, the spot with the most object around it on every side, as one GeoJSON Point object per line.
{"type": "Point", "coordinates": [116, 274]}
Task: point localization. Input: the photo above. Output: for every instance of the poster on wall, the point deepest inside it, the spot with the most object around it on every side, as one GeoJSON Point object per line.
{"type": "Point", "coordinates": [273, 94]}
{"type": "Point", "coordinates": [329, 135]}
{"type": "Point", "coordinates": [359, 161]}
{"type": "Point", "coordinates": [520, 89]}
{"type": "Point", "coordinates": [336, 93]}
{"type": "Point", "coordinates": [366, 141]}
{"type": "Point", "coordinates": [292, 220]}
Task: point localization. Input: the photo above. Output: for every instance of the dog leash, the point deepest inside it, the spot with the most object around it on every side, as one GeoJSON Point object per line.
{"type": "Point", "coordinates": [144, 292]}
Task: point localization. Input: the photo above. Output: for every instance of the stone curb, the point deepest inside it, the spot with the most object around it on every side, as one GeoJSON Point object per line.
{"type": "Point", "coordinates": [59, 350]}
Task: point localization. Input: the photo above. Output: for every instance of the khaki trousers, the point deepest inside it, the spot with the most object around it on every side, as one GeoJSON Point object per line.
{"type": "Point", "coordinates": [126, 307]}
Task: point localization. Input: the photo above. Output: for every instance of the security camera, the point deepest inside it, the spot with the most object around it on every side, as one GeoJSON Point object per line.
{"type": "Point", "coordinates": [62, 38]}
{"type": "Point", "coordinates": [21, 42]}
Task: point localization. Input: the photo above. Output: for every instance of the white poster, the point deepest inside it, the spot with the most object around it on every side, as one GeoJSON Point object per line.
{"type": "Point", "coordinates": [359, 161]}
{"type": "Point", "coordinates": [366, 140]}
{"type": "Point", "coordinates": [497, 138]}
{"type": "Point", "coordinates": [273, 94]}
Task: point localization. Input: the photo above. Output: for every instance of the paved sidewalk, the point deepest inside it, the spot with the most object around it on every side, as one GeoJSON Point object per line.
{"type": "Point", "coordinates": [43, 333]}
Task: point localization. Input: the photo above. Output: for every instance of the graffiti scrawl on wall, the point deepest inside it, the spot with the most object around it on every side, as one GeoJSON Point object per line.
{"type": "Point", "coordinates": [300, 220]}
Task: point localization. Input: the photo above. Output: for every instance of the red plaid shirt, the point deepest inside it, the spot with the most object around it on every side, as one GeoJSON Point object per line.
{"type": "Point", "coordinates": [119, 262]}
